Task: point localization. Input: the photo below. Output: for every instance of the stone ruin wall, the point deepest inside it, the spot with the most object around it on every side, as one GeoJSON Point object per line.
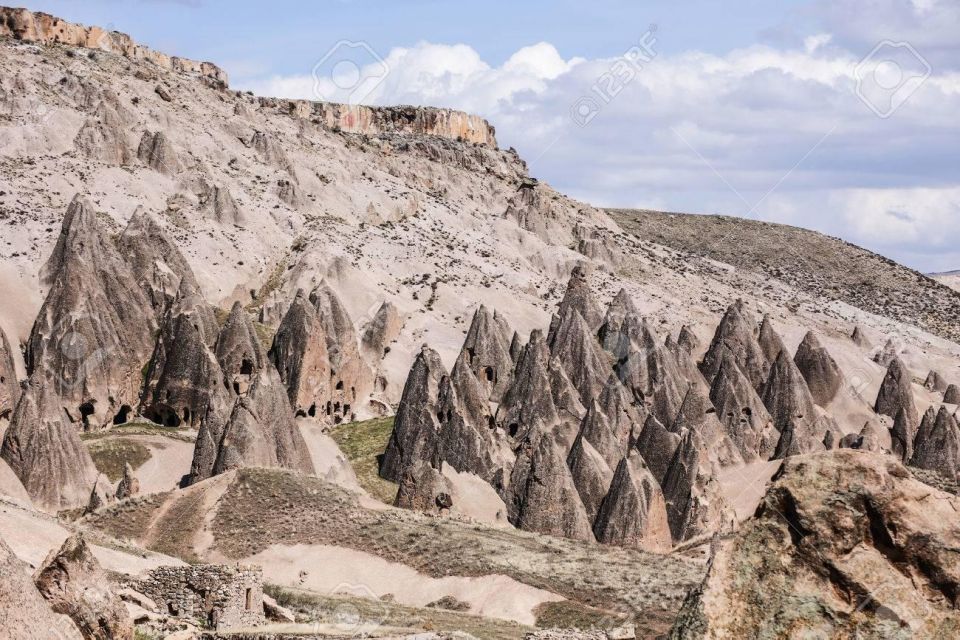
{"type": "Point", "coordinates": [217, 596]}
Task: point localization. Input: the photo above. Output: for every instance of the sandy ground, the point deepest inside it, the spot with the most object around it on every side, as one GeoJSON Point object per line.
{"type": "Point", "coordinates": [11, 487]}
{"type": "Point", "coordinates": [328, 461]}
{"type": "Point", "coordinates": [476, 499]}
{"type": "Point", "coordinates": [331, 570]}
{"type": "Point", "coordinates": [744, 487]}
{"type": "Point", "coordinates": [169, 461]}
{"type": "Point", "coordinates": [33, 535]}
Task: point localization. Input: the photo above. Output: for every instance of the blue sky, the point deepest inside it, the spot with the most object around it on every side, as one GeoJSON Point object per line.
{"type": "Point", "coordinates": [837, 115]}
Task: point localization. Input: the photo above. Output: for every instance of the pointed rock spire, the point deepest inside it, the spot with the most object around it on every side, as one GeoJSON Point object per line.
{"type": "Point", "coordinates": [819, 369]}
{"type": "Point", "coordinates": [516, 347]}
{"type": "Point", "coordinates": [652, 374]}
{"type": "Point", "coordinates": [657, 445]}
{"type": "Point", "coordinates": [616, 403]}
{"type": "Point", "coordinates": [416, 425]}
{"type": "Point", "coordinates": [575, 346]}
{"type": "Point", "coordinates": [688, 341]}
{"type": "Point", "coordinates": [299, 352]}
{"type": "Point", "coordinates": [129, 485]}
{"type": "Point", "coordinates": [155, 261]}
{"type": "Point", "coordinates": [548, 501]}
{"type": "Point", "coordinates": [597, 430]}
{"type": "Point", "coordinates": [591, 475]}
{"type": "Point", "coordinates": [487, 352]}
{"type": "Point", "coordinates": [615, 332]}
{"type": "Point", "coordinates": [578, 297]}
{"type": "Point", "coordinates": [103, 137]}
{"type": "Point", "coordinates": [694, 503]}
{"type": "Point", "coordinates": [382, 330]}
{"type": "Point", "coordinates": [698, 413]}
{"type": "Point", "coordinates": [239, 351]}
{"type": "Point", "coordinates": [787, 397]}
{"type": "Point", "coordinates": [896, 394]}
{"type": "Point", "coordinates": [530, 397]}
{"type": "Point", "coordinates": [101, 495]}
{"type": "Point", "coordinates": [94, 332]}
{"type": "Point", "coordinates": [952, 395]}
{"type": "Point", "coordinates": [742, 412]}
{"type": "Point", "coordinates": [935, 382]}
{"type": "Point", "coordinates": [937, 446]}
{"type": "Point", "coordinates": [904, 433]}
{"type": "Point", "coordinates": [9, 387]}
{"type": "Point", "coordinates": [860, 338]}
{"type": "Point", "coordinates": [770, 341]}
{"type": "Point", "coordinates": [634, 513]}
{"type": "Point", "coordinates": [156, 152]}
{"type": "Point", "coordinates": [184, 381]}
{"type": "Point", "coordinates": [217, 202]}
{"type": "Point", "coordinates": [44, 450]}
{"type": "Point", "coordinates": [737, 335]}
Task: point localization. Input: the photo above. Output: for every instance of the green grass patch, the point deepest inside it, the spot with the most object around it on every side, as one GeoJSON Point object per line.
{"type": "Point", "coordinates": [568, 614]}
{"type": "Point", "coordinates": [363, 443]}
{"type": "Point", "coordinates": [110, 456]}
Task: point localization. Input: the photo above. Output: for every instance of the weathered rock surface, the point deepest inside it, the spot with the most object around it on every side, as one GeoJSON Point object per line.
{"type": "Point", "coordinates": [103, 137]}
{"type": "Point", "coordinates": [129, 485]}
{"type": "Point", "coordinates": [937, 446]}
{"type": "Point", "coordinates": [737, 335]}
{"type": "Point", "coordinates": [300, 355]}
{"type": "Point", "coordinates": [694, 503]}
{"type": "Point", "coordinates": [819, 369]}
{"type": "Point", "coordinates": [770, 341]}
{"type": "Point", "coordinates": [9, 386]}
{"type": "Point", "coordinates": [218, 203]}
{"type": "Point", "coordinates": [845, 544]}
{"type": "Point", "coordinates": [94, 333]}
{"type": "Point", "coordinates": [24, 613]}
{"type": "Point", "coordinates": [896, 395]}
{"type": "Point", "coordinates": [790, 404]}
{"type": "Point", "coordinates": [860, 338]}
{"type": "Point", "coordinates": [382, 330]}
{"type": "Point", "coordinates": [742, 412]}
{"type": "Point", "coordinates": [487, 352]}
{"type": "Point", "coordinates": [634, 513]}
{"type": "Point", "coordinates": [416, 426]}
{"type": "Point", "coordinates": [657, 445]}
{"type": "Point", "coordinates": [101, 495]}
{"type": "Point", "coordinates": [44, 450]}
{"type": "Point", "coordinates": [935, 382]}
{"type": "Point", "coordinates": [952, 395]}
{"type": "Point", "coordinates": [75, 584]}
{"type": "Point", "coordinates": [591, 475]}
{"type": "Point", "coordinates": [156, 151]}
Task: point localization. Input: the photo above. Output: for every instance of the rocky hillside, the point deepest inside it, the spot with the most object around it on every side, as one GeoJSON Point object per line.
{"type": "Point", "coordinates": [822, 266]}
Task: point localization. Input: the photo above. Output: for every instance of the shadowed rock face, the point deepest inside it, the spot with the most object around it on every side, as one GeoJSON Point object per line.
{"type": "Point", "coordinates": [860, 339]}
{"type": "Point", "coordinates": [937, 446]}
{"type": "Point", "coordinates": [101, 495]}
{"type": "Point", "coordinates": [487, 352]}
{"type": "Point", "coordinates": [591, 475]}
{"type": "Point", "coordinates": [546, 496]}
{"type": "Point", "coordinates": [634, 513]}
{"type": "Point", "coordinates": [299, 353]}
{"type": "Point", "coordinates": [23, 609]}
{"type": "Point", "coordinates": [417, 425]}
{"type": "Point", "coordinates": [770, 341]}
{"type": "Point", "coordinates": [935, 382]}
{"type": "Point", "coordinates": [742, 413]}
{"type": "Point", "coordinates": [75, 584]}
{"type": "Point", "coordinates": [383, 329]}
{"type": "Point", "coordinates": [694, 503]}
{"type": "Point", "coordinates": [736, 335]}
{"type": "Point", "coordinates": [94, 332]}
{"type": "Point", "coordinates": [845, 544]}
{"type": "Point", "coordinates": [790, 404]}
{"type": "Point", "coordinates": [596, 428]}
{"type": "Point", "coordinates": [819, 369]}
{"type": "Point", "coordinates": [698, 413]}
{"type": "Point", "coordinates": [615, 332]}
{"type": "Point", "coordinates": [657, 445]}
{"type": "Point", "coordinates": [155, 261]}
{"type": "Point", "coordinates": [184, 383]}
{"type": "Point", "coordinates": [580, 355]}
{"type": "Point", "coordinates": [651, 373]}
{"type": "Point", "coordinates": [896, 394]}
{"type": "Point", "coordinates": [952, 394]}
{"type": "Point", "coordinates": [44, 450]}
{"type": "Point", "coordinates": [423, 488]}
{"type": "Point", "coordinates": [9, 387]}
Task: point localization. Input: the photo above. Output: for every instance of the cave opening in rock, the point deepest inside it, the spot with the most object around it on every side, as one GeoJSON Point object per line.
{"type": "Point", "coordinates": [186, 415]}
{"type": "Point", "coordinates": [123, 415]}
{"type": "Point", "coordinates": [246, 367]}
{"type": "Point", "coordinates": [86, 410]}
{"type": "Point", "coordinates": [339, 386]}
{"type": "Point", "coordinates": [312, 411]}
{"type": "Point", "coordinates": [489, 373]}
{"type": "Point", "coordinates": [513, 429]}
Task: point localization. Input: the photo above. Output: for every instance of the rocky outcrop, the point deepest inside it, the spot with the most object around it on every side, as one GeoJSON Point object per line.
{"type": "Point", "coordinates": [44, 450]}
{"type": "Point", "coordinates": [271, 152]}
{"type": "Point", "coordinates": [546, 497]}
{"type": "Point", "coordinates": [952, 395]}
{"type": "Point", "coordinates": [104, 137]}
{"type": "Point", "coordinates": [896, 395]}
{"type": "Point", "coordinates": [890, 352]}
{"type": "Point", "coordinates": [657, 445]}
{"type": "Point", "coordinates": [382, 330]}
{"type": "Point", "coordinates": [694, 503]}
{"type": "Point", "coordinates": [698, 413]}
{"type": "Point", "coordinates": [533, 209]}
{"type": "Point", "coordinates": [184, 382]}
{"type": "Point", "coordinates": [790, 404]}
{"type": "Point", "coordinates": [821, 372]}
{"type": "Point", "coordinates": [578, 297]}
{"type": "Point", "coordinates": [158, 153]}
{"type": "Point", "coordinates": [300, 355]}
{"type": "Point", "coordinates": [737, 335]}
{"type": "Point", "coordinates": [770, 341]}
{"type": "Point", "coordinates": [742, 413]}
{"type": "Point", "coordinates": [9, 386]}
{"type": "Point", "coordinates": [155, 261]}
{"type": "Point", "coordinates": [634, 513]}
{"type": "Point", "coordinates": [935, 382]}
{"type": "Point", "coordinates": [574, 345]}
{"type": "Point", "coordinates": [845, 544]}
{"type": "Point", "coordinates": [486, 350]}
{"type": "Point", "coordinates": [42, 28]}
{"type": "Point", "coordinates": [591, 475]}
{"type": "Point", "coordinates": [129, 485]}
{"type": "Point", "coordinates": [75, 584]}
{"type": "Point", "coordinates": [650, 371]}
{"type": "Point", "coordinates": [424, 488]}
{"type": "Point", "coordinates": [217, 202]}
{"type": "Point", "coordinates": [24, 613]}
{"type": "Point", "coordinates": [416, 425]}
{"type": "Point", "coordinates": [101, 495]}
{"type": "Point", "coordinates": [860, 339]}
{"type": "Point", "coordinates": [937, 446]}
{"type": "Point", "coordinates": [239, 351]}
{"type": "Point", "coordinates": [94, 332]}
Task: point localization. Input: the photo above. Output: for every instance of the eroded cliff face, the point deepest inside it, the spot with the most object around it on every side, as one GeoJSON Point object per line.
{"type": "Point", "coordinates": [43, 28]}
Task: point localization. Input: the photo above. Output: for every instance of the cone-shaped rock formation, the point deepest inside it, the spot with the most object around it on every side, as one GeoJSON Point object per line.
{"type": "Point", "coordinates": [634, 513]}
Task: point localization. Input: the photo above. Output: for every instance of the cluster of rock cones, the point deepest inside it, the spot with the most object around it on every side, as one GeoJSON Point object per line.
{"type": "Point", "coordinates": [601, 430]}
{"type": "Point", "coordinates": [124, 331]}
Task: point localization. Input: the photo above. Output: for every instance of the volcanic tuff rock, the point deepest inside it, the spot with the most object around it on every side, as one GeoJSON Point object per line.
{"type": "Point", "coordinates": [860, 339]}
{"type": "Point", "coordinates": [845, 544]}
{"type": "Point", "coordinates": [937, 445]}
{"type": "Point", "coordinates": [741, 411]}
{"type": "Point", "coordinates": [694, 503]}
{"type": "Point", "coordinates": [43, 448]}
{"type": "Point", "coordinates": [184, 383]}
{"type": "Point", "coordinates": [896, 395]}
{"type": "Point", "coordinates": [634, 513]}
{"type": "Point", "coordinates": [156, 151]}
{"type": "Point", "coordinates": [487, 351]}
{"type": "Point", "coordinates": [24, 613]}
{"type": "Point", "coordinates": [737, 335]}
{"type": "Point", "coordinates": [935, 382]}
{"type": "Point", "coordinates": [591, 475]}
{"type": "Point", "coordinates": [416, 425]}
{"type": "Point", "coordinates": [657, 445]}
{"type": "Point", "coordinates": [819, 369]}
{"type": "Point", "coordinates": [104, 135]}
{"type": "Point", "coordinates": [75, 584]}
{"type": "Point", "coordinates": [770, 341]}
{"type": "Point", "coordinates": [790, 404]}
{"type": "Point", "coordinates": [9, 387]}
{"type": "Point", "coordinates": [300, 355]}
{"type": "Point", "coordinates": [239, 351]}
{"type": "Point", "coordinates": [584, 362]}
{"type": "Point", "coordinates": [219, 203]}
{"type": "Point", "coordinates": [95, 330]}
{"type": "Point", "coordinates": [697, 413]}
{"type": "Point", "coordinates": [101, 495]}
{"type": "Point", "coordinates": [380, 332]}
{"type": "Point", "coordinates": [129, 485]}
{"type": "Point", "coordinates": [952, 395]}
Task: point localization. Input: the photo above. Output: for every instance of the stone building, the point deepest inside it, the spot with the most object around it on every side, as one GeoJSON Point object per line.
{"type": "Point", "coordinates": [215, 596]}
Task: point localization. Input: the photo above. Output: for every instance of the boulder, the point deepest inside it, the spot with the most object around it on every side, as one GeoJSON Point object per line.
{"type": "Point", "coordinates": [24, 613]}
{"type": "Point", "coordinates": [416, 425]}
{"type": "Point", "coordinates": [819, 369]}
{"type": "Point", "coordinates": [845, 544]}
{"type": "Point", "coordinates": [634, 513]}
{"type": "Point", "coordinates": [860, 339]}
{"type": "Point", "coordinates": [44, 450]}
{"type": "Point", "coordinates": [424, 488]}
{"type": "Point", "coordinates": [276, 613]}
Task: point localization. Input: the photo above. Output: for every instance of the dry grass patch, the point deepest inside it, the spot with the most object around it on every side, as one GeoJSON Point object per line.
{"type": "Point", "coordinates": [363, 443]}
{"type": "Point", "coordinates": [110, 455]}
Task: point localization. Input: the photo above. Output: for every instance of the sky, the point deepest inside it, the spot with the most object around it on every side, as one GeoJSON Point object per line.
{"type": "Point", "coordinates": [835, 115]}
